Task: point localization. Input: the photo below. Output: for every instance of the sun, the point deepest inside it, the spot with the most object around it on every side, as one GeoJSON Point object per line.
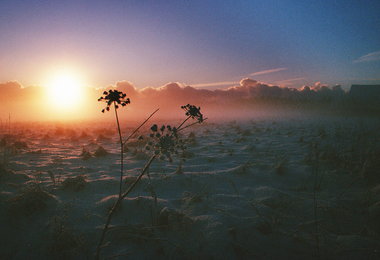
{"type": "Point", "coordinates": [64, 91]}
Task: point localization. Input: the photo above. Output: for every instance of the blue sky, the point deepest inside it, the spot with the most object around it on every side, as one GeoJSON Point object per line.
{"type": "Point", "coordinates": [209, 44]}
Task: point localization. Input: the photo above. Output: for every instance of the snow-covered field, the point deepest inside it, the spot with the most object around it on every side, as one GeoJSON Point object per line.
{"type": "Point", "coordinates": [264, 188]}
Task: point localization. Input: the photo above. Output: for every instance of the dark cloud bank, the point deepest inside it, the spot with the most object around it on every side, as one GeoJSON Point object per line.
{"type": "Point", "coordinates": [248, 99]}
{"type": "Point", "coordinates": [251, 98]}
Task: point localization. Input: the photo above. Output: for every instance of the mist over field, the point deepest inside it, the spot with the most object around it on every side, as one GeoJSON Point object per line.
{"type": "Point", "coordinates": [272, 171]}
{"type": "Point", "coordinates": [300, 187]}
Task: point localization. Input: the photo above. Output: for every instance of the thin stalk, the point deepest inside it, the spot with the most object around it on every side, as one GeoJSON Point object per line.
{"type": "Point", "coordinates": [179, 127]}
{"type": "Point", "coordinates": [123, 195]}
{"type": "Point", "coordinates": [121, 152]}
{"type": "Point", "coordinates": [146, 168]}
{"type": "Point", "coordinates": [348, 186]}
{"type": "Point", "coordinates": [140, 126]}
{"type": "Point", "coordinates": [119, 199]}
{"type": "Point", "coordinates": [315, 200]}
{"type": "Point", "coordinates": [190, 124]}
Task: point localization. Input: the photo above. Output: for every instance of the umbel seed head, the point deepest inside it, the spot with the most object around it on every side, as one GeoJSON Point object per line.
{"type": "Point", "coordinates": [116, 97]}
{"type": "Point", "coordinates": [193, 112]}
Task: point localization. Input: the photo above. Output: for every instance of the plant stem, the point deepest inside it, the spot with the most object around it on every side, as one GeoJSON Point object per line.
{"type": "Point", "coordinates": [140, 126]}
{"type": "Point", "coordinates": [179, 127]}
{"type": "Point", "coordinates": [119, 199]}
{"type": "Point", "coordinates": [191, 124]}
{"type": "Point", "coordinates": [121, 151]}
{"type": "Point", "coordinates": [123, 195]}
{"type": "Point", "coordinates": [349, 185]}
{"type": "Point", "coordinates": [315, 199]}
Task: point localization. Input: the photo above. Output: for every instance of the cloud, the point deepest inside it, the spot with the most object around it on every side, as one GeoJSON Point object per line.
{"type": "Point", "coordinates": [267, 71]}
{"type": "Point", "coordinates": [374, 56]}
{"type": "Point", "coordinates": [10, 86]}
{"type": "Point", "coordinates": [248, 94]}
{"type": "Point", "coordinates": [287, 82]}
{"type": "Point", "coordinates": [247, 82]}
{"type": "Point", "coordinates": [126, 87]}
{"type": "Point", "coordinates": [12, 91]}
{"type": "Point", "coordinates": [215, 84]}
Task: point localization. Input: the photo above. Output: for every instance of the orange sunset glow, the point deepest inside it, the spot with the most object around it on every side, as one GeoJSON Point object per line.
{"type": "Point", "coordinates": [201, 129]}
{"type": "Point", "coordinates": [58, 56]}
{"type": "Point", "coordinates": [65, 99]}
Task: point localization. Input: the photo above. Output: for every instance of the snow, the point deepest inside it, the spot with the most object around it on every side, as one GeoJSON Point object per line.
{"type": "Point", "coordinates": [246, 191]}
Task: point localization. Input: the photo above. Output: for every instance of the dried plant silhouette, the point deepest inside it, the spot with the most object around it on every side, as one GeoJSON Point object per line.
{"type": "Point", "coordinates": [164, 143]}
{"type": "Point", "coordinates": [116, 98]}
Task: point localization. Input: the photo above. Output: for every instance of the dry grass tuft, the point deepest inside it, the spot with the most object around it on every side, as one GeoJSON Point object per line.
{"type": "Point", "coordinates": [66, 242]}
{"type": "Point", "coordinates": [75, 184]}
{"type": "Point", "coordinates": [139, 155]}
{"type": "Point", "coordinates": [31, 200]}
{"type": "Point", "coordinates": [100, 151]}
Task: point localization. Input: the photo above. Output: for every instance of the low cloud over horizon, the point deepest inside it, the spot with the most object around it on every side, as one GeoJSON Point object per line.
{"type": "Point", "coordinates": [32, 103]}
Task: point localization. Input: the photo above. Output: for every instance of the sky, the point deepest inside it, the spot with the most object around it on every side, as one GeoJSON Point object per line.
{"type": "Point", "coordinates": [204, 44]}
{"type": "Point", "coordinates": [55, 53]}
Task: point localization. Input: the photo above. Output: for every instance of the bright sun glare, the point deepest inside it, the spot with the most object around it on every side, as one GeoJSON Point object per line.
{"type": "Point", "coordinates": [64, 91]}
